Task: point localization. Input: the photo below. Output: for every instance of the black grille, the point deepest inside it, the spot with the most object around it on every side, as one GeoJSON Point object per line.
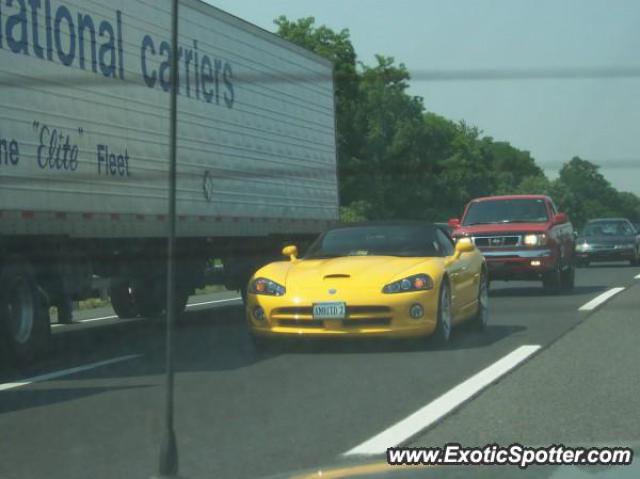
{"type": "Point", "coordinates": [294, 310]}
{"type": "Point", "coordinates": [496, 241]}
{"type": "Point", "coordinates": [364, 322]}
{"type": "Point", "coordinates": [346, 323]}
{"type": "Point", "coordinates": [308, 310]}
{"type": "Point", "coordinates": [301, 323]}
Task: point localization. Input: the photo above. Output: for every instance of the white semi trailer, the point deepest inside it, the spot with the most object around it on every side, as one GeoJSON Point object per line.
{"type": "Point", "coordinates": [84, 122]}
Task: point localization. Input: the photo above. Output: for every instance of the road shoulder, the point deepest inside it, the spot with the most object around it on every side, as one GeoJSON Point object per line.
{"type": "Point", "coordinates": [581, 390]}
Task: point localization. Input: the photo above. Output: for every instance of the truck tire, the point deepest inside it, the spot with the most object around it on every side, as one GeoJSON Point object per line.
{"type": "Point", "coordinates": [122, 298]}
{"type": "Point", "coordinates": [149, 298]}
{"type": "Point", "coordinates": [24, 316]}
{"type": "Point", "coordinates": [551, 280]}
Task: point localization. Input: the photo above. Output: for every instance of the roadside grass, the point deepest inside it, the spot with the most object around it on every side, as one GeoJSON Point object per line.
{"type": "Point", "coordinates": [211, 288]}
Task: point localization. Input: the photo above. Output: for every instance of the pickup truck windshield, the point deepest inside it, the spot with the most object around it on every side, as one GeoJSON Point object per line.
{"type": "Point", "coordinates": [506, 211]}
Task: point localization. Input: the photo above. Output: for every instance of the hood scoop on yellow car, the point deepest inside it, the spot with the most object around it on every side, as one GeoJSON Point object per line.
{"type": "Point", "coordinates": [336, 276]}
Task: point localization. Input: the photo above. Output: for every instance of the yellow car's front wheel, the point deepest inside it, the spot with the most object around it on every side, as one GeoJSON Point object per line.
{"type": "Point", "coordinates": [482, 316]}
{"type": "Point", "coordinates": [443, 325]}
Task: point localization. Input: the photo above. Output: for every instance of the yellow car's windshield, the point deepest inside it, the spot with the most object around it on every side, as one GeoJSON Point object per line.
{"type": "Point", "coordinates": [380, 240]}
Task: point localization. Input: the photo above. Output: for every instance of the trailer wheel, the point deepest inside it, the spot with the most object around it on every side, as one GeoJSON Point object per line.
{"type": "Point", "coordinates": [122, 298]}
{"type": "Point", "coordinates": [24, 316]}
{"type": "Point", "coordinates": [149, 298]}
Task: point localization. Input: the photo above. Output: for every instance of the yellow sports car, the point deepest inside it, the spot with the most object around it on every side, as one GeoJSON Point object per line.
{"type": "Point", "coordinates": [395, 279]}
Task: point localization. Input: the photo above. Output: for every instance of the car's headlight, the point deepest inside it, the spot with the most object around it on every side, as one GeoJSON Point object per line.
{"type": "Point", "coordinates": [538, 239]}
{"type": "Point", "coordinates": [583, 246]}
{"type": "Point", "coordinates": [266, 286]}
{"type": "Point", "coordinates": [417, 282]}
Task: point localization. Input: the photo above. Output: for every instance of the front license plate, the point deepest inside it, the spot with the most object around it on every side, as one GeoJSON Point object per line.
{"type": "Point", "coordinates": [329, 311]}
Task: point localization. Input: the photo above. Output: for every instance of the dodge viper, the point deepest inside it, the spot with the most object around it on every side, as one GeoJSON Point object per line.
{"type": "Point", "coordinates": [392, 279]}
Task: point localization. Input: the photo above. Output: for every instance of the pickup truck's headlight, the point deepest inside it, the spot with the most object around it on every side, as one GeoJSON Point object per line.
{"type": "Point", "coordinates": [266, 286]}
{"type": "Point", "coordinates": [535, 239]}
{"type": "Point", "coordinates": [417, 282]}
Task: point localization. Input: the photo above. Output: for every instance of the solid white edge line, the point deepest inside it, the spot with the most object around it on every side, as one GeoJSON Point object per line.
{"type": "Point", "coordinates": [214, 302]}
{"type": "Point", "coordinates": [601, 298]}
{"type": "Point", "coordinates": [97, 319]}
{"type": "Point", "coordinates": [66, 372]}
{"type": "Point", "coordinates": [436, 409]}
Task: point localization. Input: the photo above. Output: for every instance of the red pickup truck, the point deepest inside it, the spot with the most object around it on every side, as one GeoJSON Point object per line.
{"type": "Point", "coordinates": [523, 237]}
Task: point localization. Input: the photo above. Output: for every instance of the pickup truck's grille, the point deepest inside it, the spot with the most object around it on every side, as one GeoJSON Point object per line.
{"type": "Point", "coordinates": [496, 241]}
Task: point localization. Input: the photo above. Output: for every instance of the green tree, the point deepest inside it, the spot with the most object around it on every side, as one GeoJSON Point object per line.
{"type": "Point", "coordinates": [510, 166]}
{"type": "Point", "coordinates": [465, 173]}
{"type": "Point", "coordinates": [356, 212]}
{"type": "Point", "coordinates": [336, 47]}
{"type": "Point", "coordinates": [396, 160]}
{"type": "Point", "coordinates": [583, 192]}
{"type": "Point", "coordinates": [629, 206]}
{"type": "Point", "coordinates": [391, 158]}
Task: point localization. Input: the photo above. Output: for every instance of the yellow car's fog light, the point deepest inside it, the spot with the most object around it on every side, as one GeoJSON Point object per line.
{"type": "Point", "coordinates": [416, 311]}
{"type": "Point", "coordinates": [258, 313]}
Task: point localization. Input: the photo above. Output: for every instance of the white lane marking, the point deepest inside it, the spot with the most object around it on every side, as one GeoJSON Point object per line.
{"type": "Point", "coordinates": [214, 302]}
{"type": "Point", "coordinates": [436, 409]}
{"type": "Point", "coordinates": [97, 319]}
{"type": "Point", "coordinates": [598, 300]}
{"type": "Point", "coordinates": [57, 325]}
{"type": "Point", "coordinates": [637, 276]}
{"type": "Point", "coordinates": [66, 372]}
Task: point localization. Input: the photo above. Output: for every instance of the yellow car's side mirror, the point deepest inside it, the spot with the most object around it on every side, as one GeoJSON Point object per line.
{"type": "Point", "coordinates": [291, 251]}
{"type": "Point", "coordinates": [464, 245]}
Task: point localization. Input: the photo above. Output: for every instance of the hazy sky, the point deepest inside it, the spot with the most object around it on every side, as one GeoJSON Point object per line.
{"type": "Point", "coordinates": [596, 119]}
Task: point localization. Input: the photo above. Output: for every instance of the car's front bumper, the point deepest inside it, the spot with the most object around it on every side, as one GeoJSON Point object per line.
{"type": "Point", "coordinates": [336, 332]}
{"type": "Point", "coordinates": [292, 317]}
{"type": "Point", "coordinates": [519, 264]}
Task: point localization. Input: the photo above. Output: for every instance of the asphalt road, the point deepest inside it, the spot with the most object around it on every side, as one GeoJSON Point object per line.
{"type": "Point", "coordinates": [243, 414]}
